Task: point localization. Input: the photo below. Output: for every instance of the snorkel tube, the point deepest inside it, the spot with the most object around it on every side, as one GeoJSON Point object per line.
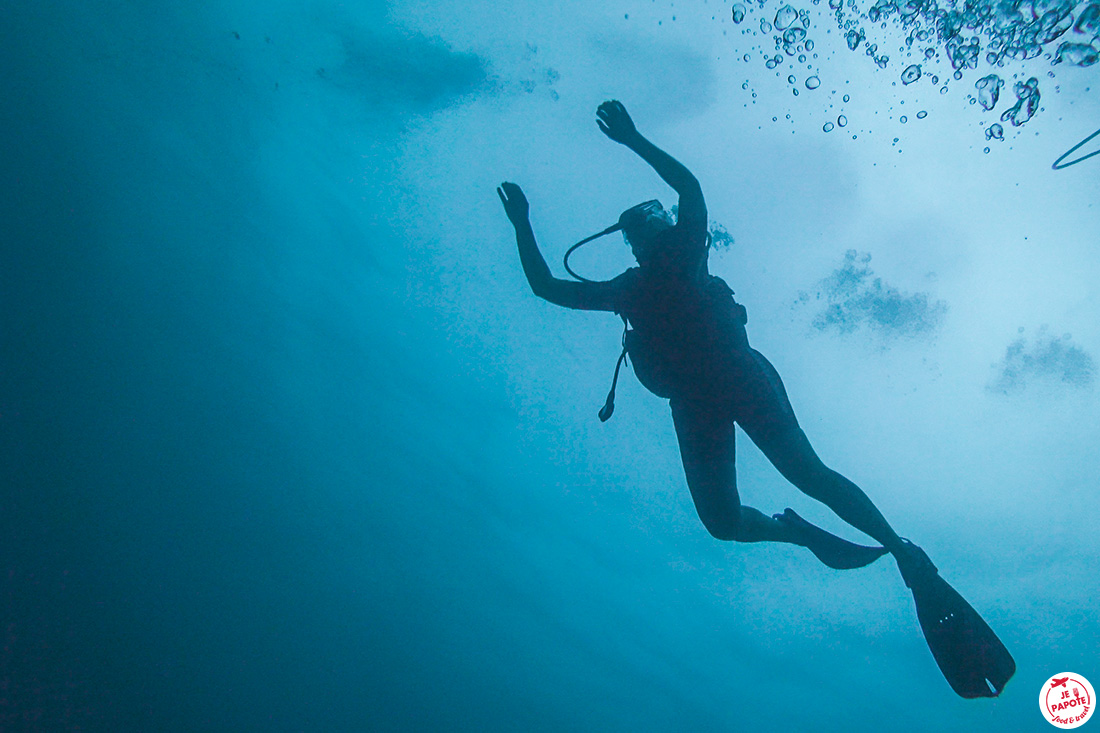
{"type": "Point", "coordinates": [586, 240]}
{"type": "Point", "coordinates": [635, 215]}
{"type": "Point", "coordinates": [1059, 165]}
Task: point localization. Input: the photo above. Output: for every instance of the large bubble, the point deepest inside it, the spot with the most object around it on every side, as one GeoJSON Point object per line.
{"type": "Point", "coordinates": [989, 90]}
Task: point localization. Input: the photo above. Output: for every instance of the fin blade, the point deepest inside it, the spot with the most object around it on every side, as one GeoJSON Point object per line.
{"type": "Point", "coordinates": [971, 657]}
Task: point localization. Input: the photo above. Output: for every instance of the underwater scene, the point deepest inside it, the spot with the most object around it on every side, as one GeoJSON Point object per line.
{"type": "Point", "coordinates": [305, 424]}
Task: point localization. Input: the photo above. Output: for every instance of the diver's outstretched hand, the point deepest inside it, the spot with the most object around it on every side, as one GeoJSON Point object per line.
{"type": "Point", "coordinates": [614, 121]}
{"type": "Point", "coordinates": [515, 203]}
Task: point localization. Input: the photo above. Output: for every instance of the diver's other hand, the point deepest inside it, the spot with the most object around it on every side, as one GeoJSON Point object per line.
{"type": "Point", "coordinates": [614, 121]}
{"type": "Point", "coordinates": [515, 203]}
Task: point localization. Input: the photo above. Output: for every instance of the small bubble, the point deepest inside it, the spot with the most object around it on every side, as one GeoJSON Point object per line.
{"type": "Point", "coordinates": [791, 79]}
{"type": "Point", "coordinates": [813, 82]}
{"type": "Point", "coordinates": [921, 115]}
{"type": "Point", "coordinates": [986, 150]}
{"type": "Point", "coordinates": [845, 97]}
{"type": "Point", "coordinates": [827, 127]}
{"type": "Point", "coordinates": [841, 121]}
{"type": "Point", "coordinates": [747, 57]}
{"type": "Point", "coordinates": [943, 90]}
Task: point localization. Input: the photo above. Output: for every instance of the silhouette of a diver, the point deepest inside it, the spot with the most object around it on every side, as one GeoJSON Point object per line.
{"type": "Point", "coordinates": [689, 344]}
{"type": "Point", "coordinates": [716, 378]}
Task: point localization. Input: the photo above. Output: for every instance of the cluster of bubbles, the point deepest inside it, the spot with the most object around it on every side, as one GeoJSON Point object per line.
{"type": "Point", "coordinates": [998, 31]}
{"type": "Point", "coordinates": [966, 33]}
{"type": "Point", "coordinates": [1002, 30]}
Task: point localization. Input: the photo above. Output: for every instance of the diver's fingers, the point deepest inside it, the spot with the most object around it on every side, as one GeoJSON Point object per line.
{"type": "Point", "coordinates": [503, 198]}
{"type": "Point", "coordinates": [603, 128]}
{"type": "Point", "coordinates": [515, 193]}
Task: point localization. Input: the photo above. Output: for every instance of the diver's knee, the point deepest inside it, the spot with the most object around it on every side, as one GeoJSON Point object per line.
{"type": "Point", "coordinates": [726, 527]}
{"type": "Point", "coordinates": [812, 477]}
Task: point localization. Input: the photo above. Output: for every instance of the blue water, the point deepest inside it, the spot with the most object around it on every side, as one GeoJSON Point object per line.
{"type": "Point", "coordinates": [288, 444]}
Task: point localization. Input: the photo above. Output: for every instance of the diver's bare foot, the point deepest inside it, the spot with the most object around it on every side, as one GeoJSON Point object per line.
{"type": "Point", "coordinates": [828, 548]}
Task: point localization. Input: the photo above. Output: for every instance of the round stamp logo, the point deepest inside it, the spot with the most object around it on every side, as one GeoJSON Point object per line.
{"type": "Point", "coordinates": [1067, 700]}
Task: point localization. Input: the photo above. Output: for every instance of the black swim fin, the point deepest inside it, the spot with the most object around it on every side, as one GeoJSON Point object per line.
{"type": "Point", "coordinates": [971, 657]}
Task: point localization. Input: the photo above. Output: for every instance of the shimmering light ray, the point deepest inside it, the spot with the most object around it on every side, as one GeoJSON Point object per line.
{"type": "Point", "coordinates": [1059, 165]}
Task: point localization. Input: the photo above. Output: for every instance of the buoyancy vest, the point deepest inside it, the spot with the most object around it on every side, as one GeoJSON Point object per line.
{"type": "Point", "coordinates": [679, 335]}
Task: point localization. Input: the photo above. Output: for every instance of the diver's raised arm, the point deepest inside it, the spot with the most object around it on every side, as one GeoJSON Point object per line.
{"type": "Point", "coordinates": [615, 122]}
{"type": "Point", "coordinates": [583, 296]}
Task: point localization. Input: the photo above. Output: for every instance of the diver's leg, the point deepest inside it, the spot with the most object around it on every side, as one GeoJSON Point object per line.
{"type": "Point", "coordinates": [765, 414]}
{"type": "Point", "coordinates": [706, 437]}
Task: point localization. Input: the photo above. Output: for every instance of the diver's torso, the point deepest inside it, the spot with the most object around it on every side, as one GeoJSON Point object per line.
{"type": "Point", "coordinates": [687, 330]}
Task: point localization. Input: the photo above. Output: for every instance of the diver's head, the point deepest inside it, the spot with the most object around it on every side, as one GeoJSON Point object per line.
{"type": "Point", "coordinates": [642, 225]}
